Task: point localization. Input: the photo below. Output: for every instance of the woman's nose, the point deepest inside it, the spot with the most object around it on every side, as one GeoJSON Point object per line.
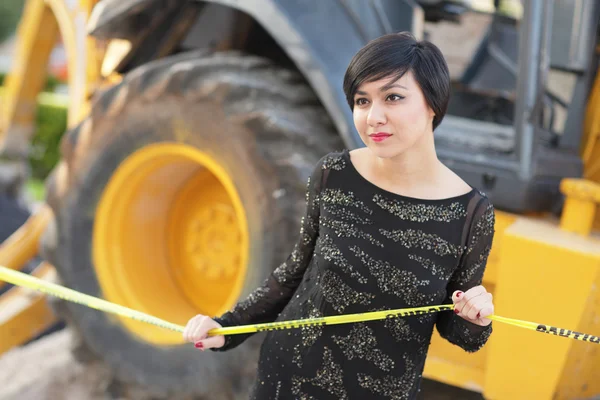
{"type": "Point", "coordinates": [376, 116]}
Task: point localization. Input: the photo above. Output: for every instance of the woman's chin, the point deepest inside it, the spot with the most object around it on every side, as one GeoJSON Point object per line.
{"type": "Point", "coordinates": [383, 150]}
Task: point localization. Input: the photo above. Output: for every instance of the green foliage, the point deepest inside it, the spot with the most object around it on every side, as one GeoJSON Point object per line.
{"type": "Point", "coordinates": [51, 123]}
{"type": "Point", "coordinates": [35, 189]}
{"type": "Point", "coordinates": [51, 119]}
{"type": "Point", "coordinates": [10, 13]}
{"type": "Point", "coordinates": [51, 83]}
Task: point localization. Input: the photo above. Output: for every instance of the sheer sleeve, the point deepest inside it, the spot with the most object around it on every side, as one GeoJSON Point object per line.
{"type": "Point", "coordinates": [455, 329]}
{"type": "Point", "coordinates": [266, 302]}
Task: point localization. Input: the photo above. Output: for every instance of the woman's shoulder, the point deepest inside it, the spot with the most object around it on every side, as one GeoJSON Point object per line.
{"type": "Point", "coordinates": [481, 209]}
{"type": "Point", "coordinates": [479, 196]}
{"type": "Point", "coordinates": [459, 188]}
{"type": "Point", "coordinates": [335, 160]}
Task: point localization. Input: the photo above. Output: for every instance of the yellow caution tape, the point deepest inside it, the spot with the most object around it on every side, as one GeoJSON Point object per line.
{"type": "Point", "coordinates": [31, 282]}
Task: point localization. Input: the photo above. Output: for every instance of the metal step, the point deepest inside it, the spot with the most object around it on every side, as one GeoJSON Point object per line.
{"type": "Point", "coordinates": [479, 136]}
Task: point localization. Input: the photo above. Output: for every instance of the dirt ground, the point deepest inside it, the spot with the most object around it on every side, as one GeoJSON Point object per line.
{"type": "Point", "coordinates": [45, 370]}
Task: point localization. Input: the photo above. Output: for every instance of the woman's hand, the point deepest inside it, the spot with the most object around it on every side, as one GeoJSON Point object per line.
{"type": "Point", "coordinates": [474, 305]}
{"type": "Point", "coordinates": [196, 332]}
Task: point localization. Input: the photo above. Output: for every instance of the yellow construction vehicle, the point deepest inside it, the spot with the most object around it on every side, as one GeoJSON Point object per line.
{"type": "Point", "coordinates": [193, 126]}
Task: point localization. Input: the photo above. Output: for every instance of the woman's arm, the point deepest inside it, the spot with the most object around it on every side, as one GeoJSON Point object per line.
{"type": "Point", "coordinates": [266, 302]}
{"type": "Point", "coordinates": [469, 328]}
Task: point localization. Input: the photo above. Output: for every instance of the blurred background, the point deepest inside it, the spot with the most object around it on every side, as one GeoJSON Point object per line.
{"type": "Point", "coordinates": [154, 153]}
{"type": "Point", "coordinates": [51, 116]}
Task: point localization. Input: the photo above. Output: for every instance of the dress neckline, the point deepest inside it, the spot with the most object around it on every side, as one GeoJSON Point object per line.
{"type": "Point", "coordinates": [346, 155]}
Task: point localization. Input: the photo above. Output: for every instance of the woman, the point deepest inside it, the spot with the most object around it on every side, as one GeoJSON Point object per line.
{"type": "Point", "coordinates": [387, 226]}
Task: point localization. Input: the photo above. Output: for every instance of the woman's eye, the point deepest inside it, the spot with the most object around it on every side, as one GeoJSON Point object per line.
{"type": "Point", "coordinates": [361, 102]}
{"type": "Point", "coordinates": [394, 97]}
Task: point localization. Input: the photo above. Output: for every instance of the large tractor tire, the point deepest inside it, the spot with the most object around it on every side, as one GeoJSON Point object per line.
{"type": "Point", "coordinates": [178, 195]}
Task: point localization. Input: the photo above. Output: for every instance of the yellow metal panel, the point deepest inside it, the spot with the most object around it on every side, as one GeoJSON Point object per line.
{"type": "Point", "coordinates": [22, 245]}
{"type": "Point", "coordinates": [37, 33]}
{"type": "Point", "coordinates": [578, 216]}
{"type": "Point", "coordinates": [451, 373]}
{"type": "Point", "coordinates": [94, 52]}
{"type": "Point", "coordinates": [545, 275]}
{"type": "Point", "coordinates": [24, 314]}
{"type": "Point", "coordinates": [450, 364]}
{"type": "Point", "coordinates": [590, 143]}
{"type": "Point", "coordinates": [582, 200]}
{"type": "Point", "coordinates": [71, 23]}
{"type": "Point", "coordinates": [579, 378]}
{"type": "Point", "coordinates": [445, 359]}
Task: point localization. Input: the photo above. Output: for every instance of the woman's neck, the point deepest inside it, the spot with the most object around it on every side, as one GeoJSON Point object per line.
{"type": "Point", "coordinates": [419, 164]}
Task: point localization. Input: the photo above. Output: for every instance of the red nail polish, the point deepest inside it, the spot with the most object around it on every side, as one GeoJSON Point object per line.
{"type": "Point", "coordinates": [478, 315]}
{"type": "Point", "coordinates": [458, 294]}
{"type": "Point", "coordinates": [456, 311]}
{"type": "Point", "coordinates": [199, 345]}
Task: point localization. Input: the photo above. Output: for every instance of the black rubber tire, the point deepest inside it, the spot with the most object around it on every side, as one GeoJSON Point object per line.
{"type": "Point", "coordinates": [271, 131]}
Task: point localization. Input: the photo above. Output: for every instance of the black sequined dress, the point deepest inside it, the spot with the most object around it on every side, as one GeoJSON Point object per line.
{"type": "Point", "coordinates": [363, 249]}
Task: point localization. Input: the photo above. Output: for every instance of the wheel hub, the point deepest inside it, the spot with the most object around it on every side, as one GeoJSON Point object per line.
{"type": "Point", "coordinates": [170, 238]}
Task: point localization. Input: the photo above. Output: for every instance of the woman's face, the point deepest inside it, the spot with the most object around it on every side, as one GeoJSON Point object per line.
{"type": "Point", "coordinates": [391, 116]}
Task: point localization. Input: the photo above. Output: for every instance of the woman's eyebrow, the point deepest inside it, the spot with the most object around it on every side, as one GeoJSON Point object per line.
{"type": "Point", "coordinates": [383, 88]}
{"type": "Point", "coordinates": [393, 85]}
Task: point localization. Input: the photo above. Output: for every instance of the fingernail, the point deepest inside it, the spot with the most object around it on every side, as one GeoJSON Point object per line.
{"type": "Point", "coordinates": [478, 315]}
{"type": "Point", "coordinates": [456, 311]}
{"type": "Point", "coordinates": [458, 294]}
{"type": "Point", "coordinates": [199, 345]}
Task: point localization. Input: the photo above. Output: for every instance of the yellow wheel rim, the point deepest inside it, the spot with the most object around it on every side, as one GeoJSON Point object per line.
{"type": "Point", "coordinates": [170, 238]}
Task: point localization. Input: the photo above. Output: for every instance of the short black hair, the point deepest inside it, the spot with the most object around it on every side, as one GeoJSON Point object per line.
{"type": "Point", "coordinates": [395, 54]}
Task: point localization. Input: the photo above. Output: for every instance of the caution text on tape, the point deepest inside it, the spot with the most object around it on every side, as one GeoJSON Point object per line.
{"type": "Point", "coordinates": [31, 282]}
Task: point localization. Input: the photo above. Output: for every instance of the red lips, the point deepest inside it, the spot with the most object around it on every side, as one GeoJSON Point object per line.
{"type": "Point", "coordinates": [379, 136]}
